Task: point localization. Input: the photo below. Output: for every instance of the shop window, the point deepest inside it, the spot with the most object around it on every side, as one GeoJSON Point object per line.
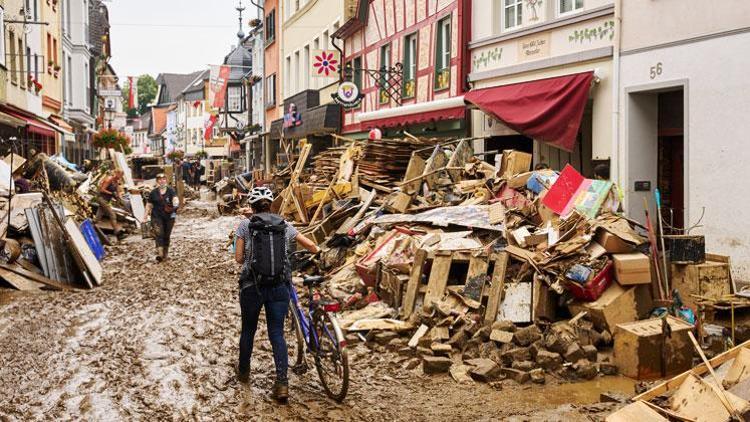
{"type": "Point", "coordinates": [443, 54]}
{"type": "Point", "coordinates": [512, 13]}
{"type": "Point", "coordinates": [569, 6]}
{"type": "Point", "coordinates": [410, 66]}
{"type": "Point", "coordinates": [385, 65]}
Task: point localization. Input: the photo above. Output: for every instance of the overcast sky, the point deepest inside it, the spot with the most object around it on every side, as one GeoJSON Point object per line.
{"type": "Point", "coordinates": [172, 36]}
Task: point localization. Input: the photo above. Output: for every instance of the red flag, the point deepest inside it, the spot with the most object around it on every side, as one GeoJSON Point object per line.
{"type": "Point", "coordinates": [210, 123]}
{"type": "Point", "coordinates": [219, 77]}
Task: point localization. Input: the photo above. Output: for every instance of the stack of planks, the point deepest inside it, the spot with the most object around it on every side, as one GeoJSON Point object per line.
{"type": "Point", "coordinates": [325, 166]}
{"type": "Point", "coordinates": [384, 162]}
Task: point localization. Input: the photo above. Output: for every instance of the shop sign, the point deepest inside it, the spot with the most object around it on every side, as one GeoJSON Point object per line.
{"type": "Point", "coordinates": [533, 48]}
{"type": "Point", "coordinates": [347, 95]}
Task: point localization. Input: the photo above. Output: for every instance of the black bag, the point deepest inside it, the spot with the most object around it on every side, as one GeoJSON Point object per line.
{"type": "Point", "coordinates": [268, 240]}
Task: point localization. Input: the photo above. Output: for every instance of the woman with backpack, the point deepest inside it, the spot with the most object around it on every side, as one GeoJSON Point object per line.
{"type": "Point", "coordinates": [261, 247]}
{"type": "Point", "coordinates": [161, 210]}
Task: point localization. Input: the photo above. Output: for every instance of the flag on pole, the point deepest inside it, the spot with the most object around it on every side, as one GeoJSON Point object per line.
{"type": "Point", "coordinates": [218, 86]}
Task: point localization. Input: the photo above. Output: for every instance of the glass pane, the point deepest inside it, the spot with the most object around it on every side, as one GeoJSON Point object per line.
{"type": "Point", "coordinates": [566, 6]}
{"type": "Point", "coordinates": [519, 14]}
{"type": "Point", "coordinates": [508, 18]}
{"type": "Point", "coordinates": [579, 4]}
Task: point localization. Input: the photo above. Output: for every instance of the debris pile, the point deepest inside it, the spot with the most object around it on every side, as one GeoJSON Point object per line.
{"type": "Point", "coordinates": [491, 270]}
{"type": "Point", "coordinates": [51, 239]}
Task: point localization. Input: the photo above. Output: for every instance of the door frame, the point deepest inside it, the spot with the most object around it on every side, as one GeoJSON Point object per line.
{"type": "Point", "coordinates": [656, 88]}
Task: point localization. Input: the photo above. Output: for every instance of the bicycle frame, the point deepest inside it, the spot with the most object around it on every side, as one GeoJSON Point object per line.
{"type": "Point", "coordinates": [310, 336]}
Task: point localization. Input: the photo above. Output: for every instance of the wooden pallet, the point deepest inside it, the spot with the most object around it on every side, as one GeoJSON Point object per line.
{"type": "Point", "coordinates": [474, 289]}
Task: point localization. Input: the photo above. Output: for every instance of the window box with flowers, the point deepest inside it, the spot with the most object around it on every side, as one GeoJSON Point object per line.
{"type": "Point", "coordinates": [56, 70]}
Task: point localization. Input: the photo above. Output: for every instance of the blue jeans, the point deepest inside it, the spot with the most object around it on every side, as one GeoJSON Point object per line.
{"type": "Point", "coordinates": [276, 302]}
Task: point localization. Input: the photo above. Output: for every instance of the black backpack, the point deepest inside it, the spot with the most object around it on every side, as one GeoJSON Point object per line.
{"type": "Point", "coordinates": [269, 261]}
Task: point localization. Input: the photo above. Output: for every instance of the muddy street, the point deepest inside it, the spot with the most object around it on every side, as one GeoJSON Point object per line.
{"type": "Point", "coordinates": [159, 342]}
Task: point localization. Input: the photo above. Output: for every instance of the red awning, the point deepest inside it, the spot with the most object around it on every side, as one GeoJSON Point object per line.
{"type": "Point", "coordinates": [417, 118]}
{"type": "Point", "coordinates": [548, 110]}
{"type": "Point", "coordinates": [32, 124]}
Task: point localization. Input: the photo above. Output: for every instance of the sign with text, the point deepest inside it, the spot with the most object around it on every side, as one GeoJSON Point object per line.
{"type": "Point", "coordinates": [325, 63]}
{"type": "Point", "coordinates": [533, 48]}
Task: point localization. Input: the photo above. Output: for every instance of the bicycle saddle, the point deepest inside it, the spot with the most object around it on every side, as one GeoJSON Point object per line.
{"type": "Point", "coordinates": [313, 280]}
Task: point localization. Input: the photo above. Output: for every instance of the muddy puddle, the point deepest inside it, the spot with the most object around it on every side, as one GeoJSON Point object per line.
{"type": "Point", "coordinates": [159, 342]}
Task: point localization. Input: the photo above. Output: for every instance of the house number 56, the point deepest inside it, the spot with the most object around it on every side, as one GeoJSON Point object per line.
{"type": "Point", "coordinates": [655, 70]}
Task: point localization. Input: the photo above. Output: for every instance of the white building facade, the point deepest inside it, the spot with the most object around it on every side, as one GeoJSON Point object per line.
{"type": "Point", "coordinates": [76, 72]}
{"type": "Point", "coordinates": [683, 118]}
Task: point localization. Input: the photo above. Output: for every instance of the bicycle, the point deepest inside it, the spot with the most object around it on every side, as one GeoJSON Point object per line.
{"type": "Point", "coordinates": [319, 334]}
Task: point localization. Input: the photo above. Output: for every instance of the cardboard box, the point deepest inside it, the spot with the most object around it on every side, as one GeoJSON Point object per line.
{"type": "Point", "coordinates": [514, 162]}
{"type": "Point", "coordinates": [616, 305]}
{"type": "Point", "coordinates": [612, 243]}
{"type": "Point", "coordinates": [632, 268]}
{"type": "Point", "coordinates": [644, 351]}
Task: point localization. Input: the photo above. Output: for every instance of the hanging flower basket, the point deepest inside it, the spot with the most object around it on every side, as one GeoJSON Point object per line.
{"type": "Point", "coordinates": [111, 138]}
{"type": "Point", "coordinates": [176, 154]}
{"type": "Point", "coordinates": [202, 154]}
{"type": "Point", "coordinates": [255, 23]}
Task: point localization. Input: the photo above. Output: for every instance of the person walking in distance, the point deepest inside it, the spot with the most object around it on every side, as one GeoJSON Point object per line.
{"type": "Point", "coordinates": [161, 210]}
{"type": "Point", "coordinates": [265, 282]}
{"type": "Point", "coordinates": [109, 191]}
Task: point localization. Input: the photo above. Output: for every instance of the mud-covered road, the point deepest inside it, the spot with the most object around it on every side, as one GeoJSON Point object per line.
{"type": "Point", "coordinates": [159, 342]}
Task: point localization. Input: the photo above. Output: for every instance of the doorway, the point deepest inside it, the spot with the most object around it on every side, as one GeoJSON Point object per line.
{"type": "Point", "coordinates": [671, 158]}
{"type": "Point", "coordinates": [655, 153]}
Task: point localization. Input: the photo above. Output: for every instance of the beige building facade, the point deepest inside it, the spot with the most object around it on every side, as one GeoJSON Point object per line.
{"type": "Point", "coordinates": [514, 42]}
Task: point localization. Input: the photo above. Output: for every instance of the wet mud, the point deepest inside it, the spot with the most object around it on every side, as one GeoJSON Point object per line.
{"type": "Point", "coordinates": [159, 342]}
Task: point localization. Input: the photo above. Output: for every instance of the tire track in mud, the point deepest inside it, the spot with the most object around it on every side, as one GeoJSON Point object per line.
{"type": "Point", "coordinates": [159, 342]}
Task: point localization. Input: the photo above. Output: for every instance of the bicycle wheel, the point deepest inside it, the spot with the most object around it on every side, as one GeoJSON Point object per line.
{"type": "Point", "coordinates": [294, 340]}
{"type": "Point", "coordinates": [331, 359]}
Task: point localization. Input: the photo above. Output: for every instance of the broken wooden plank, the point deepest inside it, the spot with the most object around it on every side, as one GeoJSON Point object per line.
{"type": "Point", "coordinates": [475, 279]}
{"type": "Point", "coordinates": [675, 382]}
{"type": "Point", "coordinates": [19, 282]}
{"type": "Point", "coordinates": [497, 287]}
{"type": "Point", "coordinates": [438, 280]}
{"type": "Point", "coordinates": [413, 287]}
{"type": "Point", "coordinates": [421, 331]}
{"type": "Point", "coordinates": [36, 277]}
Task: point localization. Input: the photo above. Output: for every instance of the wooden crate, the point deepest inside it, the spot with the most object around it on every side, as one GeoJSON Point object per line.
{"type": "Point", "coordinates": [474, 289]}
{"type": "Point", "coordinates": [710, 280]}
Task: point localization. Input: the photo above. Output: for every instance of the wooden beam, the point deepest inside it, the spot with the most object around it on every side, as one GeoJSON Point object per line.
{"type": "Point", "coordinates": [497, 287]}
{"type": "Point", "coordinates": [412, 288]}
{"type": "Point", "coordinates": [438, 280]}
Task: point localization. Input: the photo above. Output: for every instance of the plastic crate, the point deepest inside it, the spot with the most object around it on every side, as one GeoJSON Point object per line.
{"type": "Point", "coordinates": [593, 289]}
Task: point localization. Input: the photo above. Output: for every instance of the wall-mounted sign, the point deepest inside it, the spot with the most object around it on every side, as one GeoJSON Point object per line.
{"type": "Point", "coordinates": [533, 48]}
{"type": "Point", "coordinates": [347, 95]}
{"type": "Point", "coordinates": [325, 63]}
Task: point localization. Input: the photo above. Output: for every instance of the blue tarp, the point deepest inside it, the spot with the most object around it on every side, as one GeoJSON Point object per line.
{"type": "Point", "coordinates": [89, 233]}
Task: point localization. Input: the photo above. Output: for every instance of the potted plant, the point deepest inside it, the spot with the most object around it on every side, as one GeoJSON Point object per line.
{"type": "Point", "coordinates": [37, 86]}
{"type": "Point", "coordinates": [57, 70]}
{"type": "Point", "coordinates": [202, 154]}
{"type": "Point", "coordinates": [255, 23]}
{"type": "Point", "coordinates": [50, 64]}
